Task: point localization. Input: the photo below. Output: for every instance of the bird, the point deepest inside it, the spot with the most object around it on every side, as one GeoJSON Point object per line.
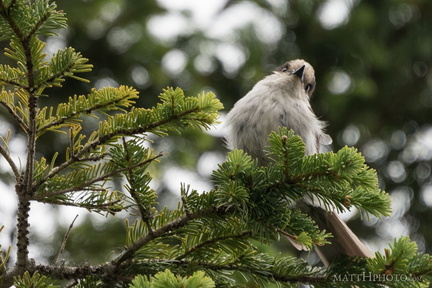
{"type": "Point", "coordinates": [282, 99]}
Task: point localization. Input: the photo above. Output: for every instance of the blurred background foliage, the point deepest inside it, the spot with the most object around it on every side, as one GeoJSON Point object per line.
{"type": "Point", "coordinates": [373, 64]}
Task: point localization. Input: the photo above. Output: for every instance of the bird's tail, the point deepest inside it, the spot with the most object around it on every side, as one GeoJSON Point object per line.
{"type": "Point", "coordinates": [343, 242]}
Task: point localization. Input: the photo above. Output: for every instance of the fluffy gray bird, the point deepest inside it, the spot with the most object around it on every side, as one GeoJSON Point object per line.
{"type": "Point", "coordinates": [282, 99]}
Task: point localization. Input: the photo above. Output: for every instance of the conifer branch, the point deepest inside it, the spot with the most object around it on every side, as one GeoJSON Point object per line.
{"type": "Point", "coordinates": [115, 132]}
{"type": "Point", "coordinates": [42, 197]}
{"type": "Point", "coordinates": [111, 207]}
{"type": "Point", "coordinates": [269, 274]}
{"type": "Point", "coordinates": [144, 213]}
{"type": "Point", "coordinates": [170, 226]}
{"type": "Point", "coordinates": [201, 245]}
{"type": "Point", "coordinates": [12, 24]}
{"type": "Point", "coordinates": [87, 110]}
{"type": "Point", "coordinates": [14, 115]}
{"type": "Point", "coordinates": [11, 82]}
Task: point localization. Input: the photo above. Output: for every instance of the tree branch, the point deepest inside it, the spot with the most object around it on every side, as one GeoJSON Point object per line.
{"type": "Point", "coordinates": [8, 159]}
{"type": "Point", "coordinates": [22, 231]}
{"type": "Point", "coordinates": [145, 213]}
{"type": "Point", "coordinates": [24, 189]}
{"type": "Point", "coordinates": [179, 222]}
{"type": "Point", "coordinates": [97, 179]}
{"type": "Point", "coordinates": [108, 206]}
{"type": "Point", "coordinates": [66, 236]}
{"type": "Point", "coordinates": [14, 115]}
{"type": "Point", "coordinates": [105, 138]}
{"type": "Point", "coordinates": [76, 114]}
{"type": "Point", "coordinates": [212, 241]}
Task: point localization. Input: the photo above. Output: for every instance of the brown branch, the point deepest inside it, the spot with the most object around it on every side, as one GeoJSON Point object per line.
{"type": "Point", "coordinates": [8, 159]}
{"type": "Point", "coordinates": [66, 236]}
{"type": "Point", "coordinates": [22, 232]}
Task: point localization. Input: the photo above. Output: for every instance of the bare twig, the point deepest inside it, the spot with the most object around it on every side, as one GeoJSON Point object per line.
{"type": "Point", "coordinates": [65, 238]}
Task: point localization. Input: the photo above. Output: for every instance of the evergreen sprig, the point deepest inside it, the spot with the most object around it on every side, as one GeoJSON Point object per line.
{"type": "Point", "coordinates": [168, 279]}
{"type": "Point", "coordinates": [68, 114]}
{"type": "Point", "coordinates": [36, 280]}
{"type": "Point", "coordinates": [337, 180]}
{"type": "Point", "coordinates": [174, 112]}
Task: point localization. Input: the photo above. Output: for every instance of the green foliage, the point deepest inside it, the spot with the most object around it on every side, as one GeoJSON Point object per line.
{"type": "Point", "coordinates": [208, 240]}
{"type": "Point", "coordinates": [371, 101]}
{"type": "Point", "coordinates": [398, 267]}
{"type": "Point", "coordinates": [402, 261]}
{"type": "Point", "coordinates": [252, 202]}
{"type": "Point", "coordinates": [36, 281]}
{"type": "Point", "coordinates": [169, 280]}
{"type": "Point", "coordinates": [338, 180]}
{"type": "Point", "coordinates": [175, 111]}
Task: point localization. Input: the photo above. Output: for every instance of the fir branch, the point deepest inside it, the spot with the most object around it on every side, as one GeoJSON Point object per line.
{"type": "Point", "coordinates": [158, 122]}
{"type": "Point", "coordinates": [144, 213]}
{"type": "Point", "coordinates": [111, 207]}
{"type": "Point", "coordinates": [258, 267]}
{"type": "Point", "coordinates": [12, 76]}
{"type": "Point", "coordinates": [98, 100]}
{"type": "Point", "coordinates": [63, 64]}
{"type": "Point", "coordinates": [63, 272]}
{"type": "Point", "coordinates": [94, 158]}
{"type": "Point", "coordinates": [26, 188]}
{"type": "Point", "coordinates": [14, 114]}
{"type": "Point", "coordinates": [42, 195]}
{"type": "Point", "coordinates": [181, 221]}
{"type": "Point", "coordinates": [243, 235]}
{"type": "Point", "coordinates": [6, 13]}
{"type": "Point", "coordinates": [286, 270]}
{"type": "Point", "coordinates": [57, 19]}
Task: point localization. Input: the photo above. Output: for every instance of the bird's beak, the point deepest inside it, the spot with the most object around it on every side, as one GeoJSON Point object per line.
{"type": "Point", "coordinates": [299, 72]}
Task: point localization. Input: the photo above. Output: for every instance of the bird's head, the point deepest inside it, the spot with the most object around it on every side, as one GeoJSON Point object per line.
{"type": "Point", "coordinates": [299, 72]}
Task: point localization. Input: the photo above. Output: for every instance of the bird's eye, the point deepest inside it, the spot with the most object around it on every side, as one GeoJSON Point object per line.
{"type": "Point", "coordinates": [308, 87]}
